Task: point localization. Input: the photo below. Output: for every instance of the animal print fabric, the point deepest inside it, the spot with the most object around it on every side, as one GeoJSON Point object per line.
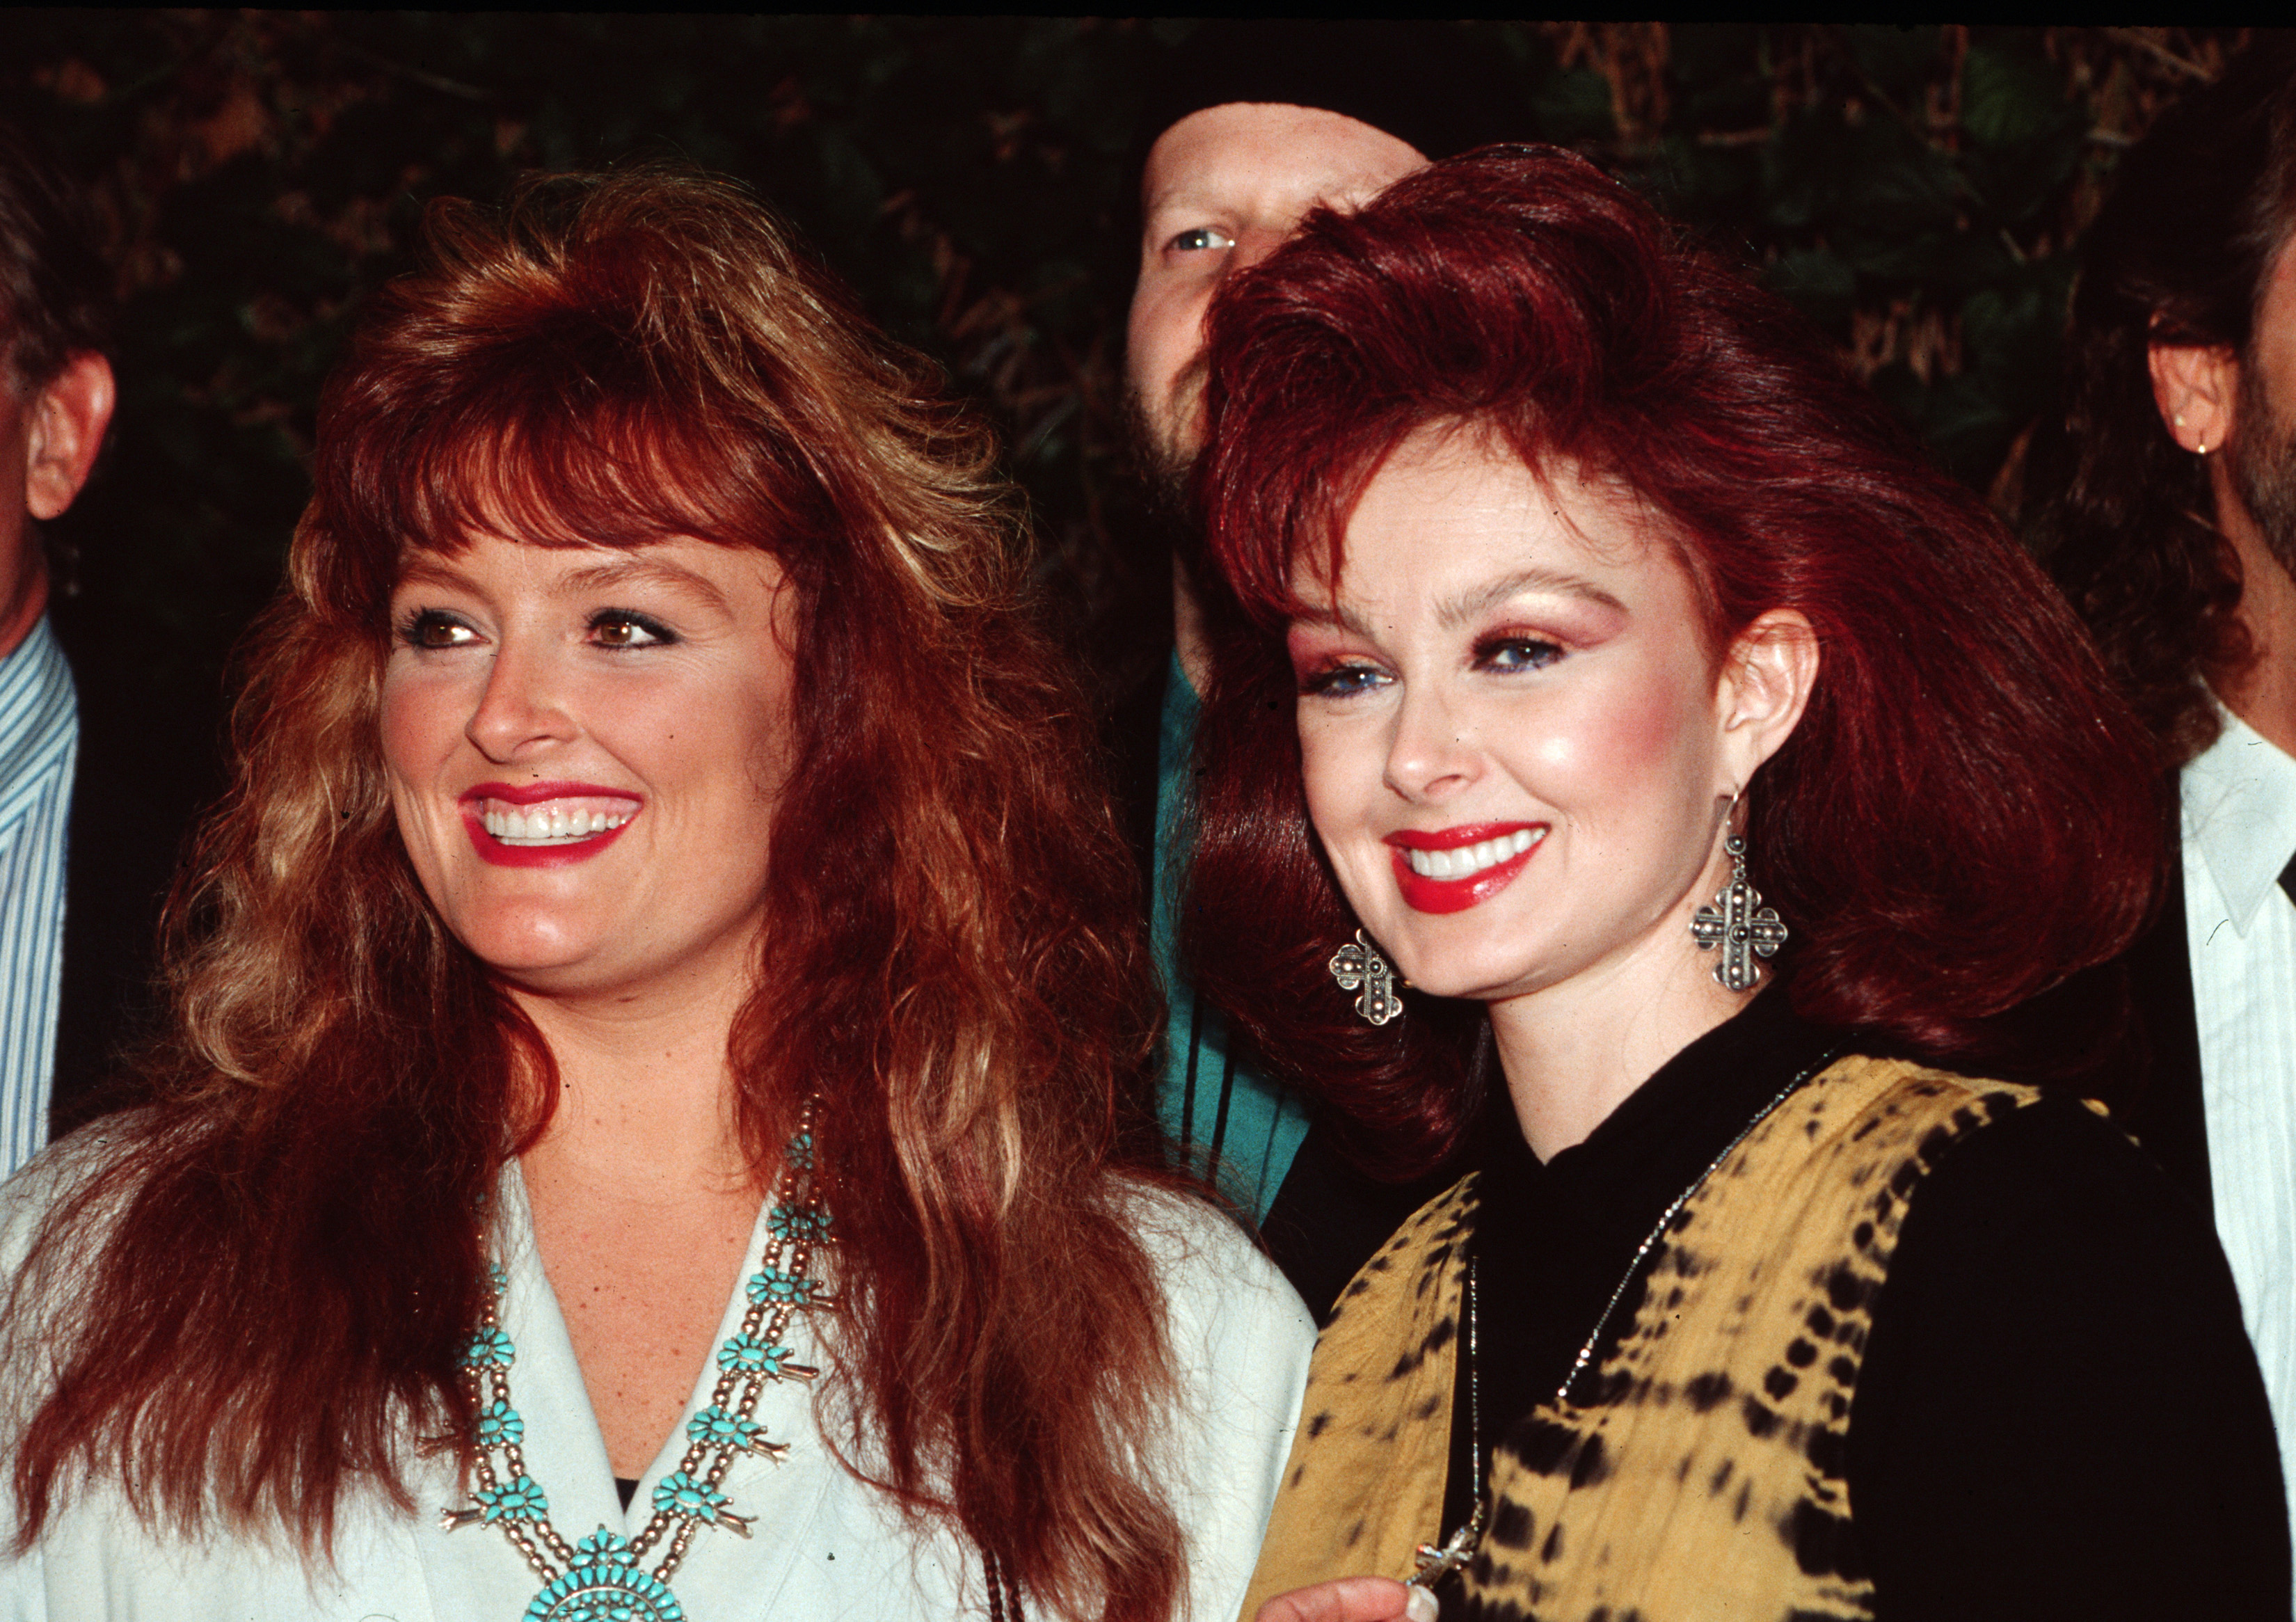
{"type": "Point", "coordinates": [1699, 1472]}
{"type": "Point", "coordinates": [1363, 1486]}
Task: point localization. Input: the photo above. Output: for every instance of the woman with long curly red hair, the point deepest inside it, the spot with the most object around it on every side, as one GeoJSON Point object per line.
{"type": "Point", "coordinates": [662, 1008]}
{"type": "Point", "coordinates": [1682, 780]}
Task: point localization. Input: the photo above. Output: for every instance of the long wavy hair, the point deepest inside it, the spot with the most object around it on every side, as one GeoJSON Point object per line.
{"type": "Point", "coordinates": [1959, 821]}
{"type": "Point", "coordinates": [258, 1296]}
{"type": "Point", "coordinates": [2180, 255]}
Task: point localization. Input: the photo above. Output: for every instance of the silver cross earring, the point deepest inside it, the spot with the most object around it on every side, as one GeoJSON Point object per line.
{"type": "Point", "coordinates": [1738, 922]}
{"type": "Point", "coordinates": [1358, 964]}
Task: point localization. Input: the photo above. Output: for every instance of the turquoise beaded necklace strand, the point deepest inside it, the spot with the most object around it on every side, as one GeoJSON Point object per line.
{"type": "Point", "coordinates": [600, 1579]}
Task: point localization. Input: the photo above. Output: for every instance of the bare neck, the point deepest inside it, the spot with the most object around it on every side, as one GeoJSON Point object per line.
{"type": "Point", "coordinates": [1573, 1053]}
{"type": "Point", "coordinates": [645, 1096]}
{"type": "Point", "coordinates": [24, 597]}
{"type": "Point", "coordinates": [2264, 695]}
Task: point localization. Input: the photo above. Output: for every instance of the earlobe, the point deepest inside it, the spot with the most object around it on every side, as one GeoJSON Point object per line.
{"type": "Point", "coordinates": [2194, 386]}
{"type": "Point", "coordinates": [67, 424]}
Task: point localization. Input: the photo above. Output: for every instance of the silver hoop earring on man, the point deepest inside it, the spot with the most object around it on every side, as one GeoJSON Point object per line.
{"type": "Point", "coordinates": [1737, 921]}
{"type": "Point", "coordinates": [1358, 965]}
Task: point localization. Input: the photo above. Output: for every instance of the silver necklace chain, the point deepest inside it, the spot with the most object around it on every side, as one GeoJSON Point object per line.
{"type": "Point", "coordinates": [600, 1576]}
{"type": "Point", "coordinates": [1666, 1220]}
{"type": "Point", "coordinates": [1437, 1561]}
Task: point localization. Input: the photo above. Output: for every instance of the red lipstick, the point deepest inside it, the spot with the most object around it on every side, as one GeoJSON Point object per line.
{"type": "Point", "coordinates": [501, 853]}
{"type": "Point", "coordinates": [1426, 893]}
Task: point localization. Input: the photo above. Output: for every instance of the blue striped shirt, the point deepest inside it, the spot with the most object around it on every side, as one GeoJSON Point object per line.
{"type": "Point", "coordinates": [40, 739]}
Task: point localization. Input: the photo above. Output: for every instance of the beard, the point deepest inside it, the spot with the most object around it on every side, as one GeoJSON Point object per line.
{"type": "Point", "coordinates": [2261, 459]}
{"type": "Point", "coordinates": [1159, 463]}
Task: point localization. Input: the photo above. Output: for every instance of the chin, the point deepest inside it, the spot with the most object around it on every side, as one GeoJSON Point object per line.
{"type": "Point", "coordinates": [1477, 971]}
{"type": "Point", "coordinates": [532, 956]}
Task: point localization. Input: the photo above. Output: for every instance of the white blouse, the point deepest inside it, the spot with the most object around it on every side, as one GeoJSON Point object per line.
{"type": "Point", "coordinates": [823, 1546]}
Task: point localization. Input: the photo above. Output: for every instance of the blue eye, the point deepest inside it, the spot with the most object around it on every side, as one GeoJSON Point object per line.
{"type": "Point", "coordinates": [1341, 681]}
{"type": "Point", "coordinates": [1506, 653]}
{"type": "Point", "coordinates": [431, 628]}
{"type": "Point", "coordinates": [1200, 240]}
{"type": "Point", "coordinates": [624, 629]}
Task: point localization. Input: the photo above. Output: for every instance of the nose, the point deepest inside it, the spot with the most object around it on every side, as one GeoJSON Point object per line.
{"type": "Point", "coordinates": [1429, 757]}
{"type": "Point", "coordinates": [523, 708]}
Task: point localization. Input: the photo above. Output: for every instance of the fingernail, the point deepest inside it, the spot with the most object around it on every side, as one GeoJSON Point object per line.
{"type": "Point", "coordinates": [1420, 1605]}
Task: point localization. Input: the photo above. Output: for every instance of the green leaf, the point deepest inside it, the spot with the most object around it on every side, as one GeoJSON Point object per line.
{"type": "Point", "coordinates": [2009, 96]}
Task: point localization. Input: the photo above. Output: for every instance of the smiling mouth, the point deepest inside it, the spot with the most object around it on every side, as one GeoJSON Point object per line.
{"type": "Point", "coordinates": [1468, 860]}
{"type": "Point", "coordinates": [552, 821]}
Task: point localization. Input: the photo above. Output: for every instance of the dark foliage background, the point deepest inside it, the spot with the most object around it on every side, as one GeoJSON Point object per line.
{"type": "Point", "coordinates": [1920, 191]}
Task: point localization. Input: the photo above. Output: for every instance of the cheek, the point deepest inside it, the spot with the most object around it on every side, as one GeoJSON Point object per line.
{"type": "Point", "coordinates": [417, 722]}
{"type": "Point", "coordinates": [1163, 332]}
{"type": "Point", "coordinates": [1341, 768]}
{"type": "Point", "coordinates": [730, 742]}
{"type": "Point", "coordinates": [1631, 742]}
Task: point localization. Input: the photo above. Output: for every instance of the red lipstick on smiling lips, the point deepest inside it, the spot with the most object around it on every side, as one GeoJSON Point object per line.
{"type": "Point", "coordinates": [537, 801]}
{"type": "Point", "coordinates": [1458, 848]}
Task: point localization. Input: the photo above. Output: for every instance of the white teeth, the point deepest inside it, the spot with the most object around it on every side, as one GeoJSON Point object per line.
{"type": "Point", "coordinates": [553, 822]}
{"type": "Point", "coordinates": [1468, 860]}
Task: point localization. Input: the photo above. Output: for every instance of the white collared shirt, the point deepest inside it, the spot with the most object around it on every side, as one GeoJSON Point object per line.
{"type": "Point", "coordinates": [825, 1547]}
{"type": "Point", "coordinates": [40, 740]}
{"type": "Point", "coordinates": [2239, 832]}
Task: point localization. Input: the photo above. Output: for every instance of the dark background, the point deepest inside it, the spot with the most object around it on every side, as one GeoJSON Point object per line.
{"type": "Point", "coordinates": [1919, 192]}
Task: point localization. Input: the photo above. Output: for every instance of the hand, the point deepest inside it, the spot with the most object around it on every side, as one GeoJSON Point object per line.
{"type": "Point", "coordinates": [1351, 1599]}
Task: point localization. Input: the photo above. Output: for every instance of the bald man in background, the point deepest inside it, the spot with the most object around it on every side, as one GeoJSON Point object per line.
{"type": "Point", "coordinates": [1253, 124]}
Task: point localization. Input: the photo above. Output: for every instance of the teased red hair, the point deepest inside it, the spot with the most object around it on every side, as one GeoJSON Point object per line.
{"type": "Point", "coordinates": [265, 1297]}
{"type": "Point", "coordinates": [1960, 820]}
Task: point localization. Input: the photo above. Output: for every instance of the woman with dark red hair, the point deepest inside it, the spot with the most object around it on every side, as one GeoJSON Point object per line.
{"type": "Point", "coordinates": [1680, 779]}
{"type": "Point", "coordinates": [660, 947]}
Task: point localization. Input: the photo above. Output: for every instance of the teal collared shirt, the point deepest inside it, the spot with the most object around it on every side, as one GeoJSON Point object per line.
{"type": "Point", "coordinates": [1225, 1115]}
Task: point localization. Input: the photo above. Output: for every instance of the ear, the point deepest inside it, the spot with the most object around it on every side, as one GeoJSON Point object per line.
{"type": "Point", "coordinates": [67, 424]}
{"type": "Point", "coordinates": [1766, 681]}
{"type": "Point", "coordinates": [2195, 386]}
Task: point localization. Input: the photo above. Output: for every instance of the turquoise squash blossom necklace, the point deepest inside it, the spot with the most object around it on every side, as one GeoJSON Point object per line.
{"type": "Point", "coordinates": [601, 1578]}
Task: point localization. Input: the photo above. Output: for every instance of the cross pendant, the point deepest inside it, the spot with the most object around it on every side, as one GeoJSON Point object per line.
{"type": "Point", "coordinates": [1437, 1561]}
{"type": "Point", "coordinates": [1740, 924]}
{"type": "Point", "coordinates": [1359, 963]}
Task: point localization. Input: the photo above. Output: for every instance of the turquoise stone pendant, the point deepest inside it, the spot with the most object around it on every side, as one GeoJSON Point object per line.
{"type": "Point", "coordinates": [604, 1585]}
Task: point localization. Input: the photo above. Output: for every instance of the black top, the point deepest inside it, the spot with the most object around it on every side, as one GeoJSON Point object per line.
{"type": "Point", "coordinates": [2058, 1415]}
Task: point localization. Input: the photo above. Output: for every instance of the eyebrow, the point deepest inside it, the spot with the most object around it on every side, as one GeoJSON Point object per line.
{"type": "Point", "coordinates": [637, 566]}
{"type": "Point", "coordinates": [599, 577]}
{"type": "Point", "coordinates": [426, 565]}
{"type": "Point", "coordinates": [1473, 604]}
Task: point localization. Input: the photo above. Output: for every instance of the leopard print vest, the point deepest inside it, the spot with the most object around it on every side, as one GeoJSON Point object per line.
{"type": "Point", "coordinates": [1699, 1471]}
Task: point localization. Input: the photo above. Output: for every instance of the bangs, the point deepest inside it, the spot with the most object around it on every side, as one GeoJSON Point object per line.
{"type": "Point", "coordinates": [544, 412]}
{"type": "Point", "coordinates": [620, 479]}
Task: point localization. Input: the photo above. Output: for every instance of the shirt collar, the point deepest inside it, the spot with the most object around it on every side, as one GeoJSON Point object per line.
{"type": "Point", "coordinates": [38, 714]}
{"type": "Point", "coordinates": [2240, 809]}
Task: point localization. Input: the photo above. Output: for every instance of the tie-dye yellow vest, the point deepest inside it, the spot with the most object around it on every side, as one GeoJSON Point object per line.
{"type": "Point", "coordinates": [1700, 1473]}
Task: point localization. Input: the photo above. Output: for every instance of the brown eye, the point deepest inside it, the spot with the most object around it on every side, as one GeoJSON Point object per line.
{"type": "Point", "coordinates": [433, 628]}
{"type": "Point", "coordinates": [621, 628]}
